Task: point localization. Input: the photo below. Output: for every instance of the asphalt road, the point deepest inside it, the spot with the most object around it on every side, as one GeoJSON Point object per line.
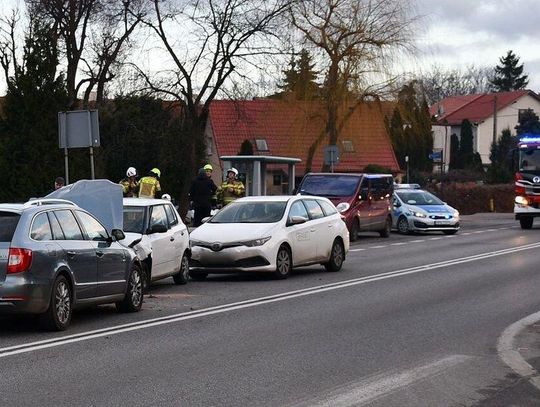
{"type": "Point", "coordinates": [409, 321]}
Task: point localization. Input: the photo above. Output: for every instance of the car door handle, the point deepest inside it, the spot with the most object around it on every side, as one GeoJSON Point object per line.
{"type": "Point", "coordinates": [330, 226]}
{"type": "Point", "coordinates": [182, 233]}
{"type": "Point", "coordinates": [99, 253]}
{"type": "Point", "coordinates": [71, 253]}
{"type": "Point", "coordinates": [172, 239]}
{"type": "Point", "coordinates": [312, 230]}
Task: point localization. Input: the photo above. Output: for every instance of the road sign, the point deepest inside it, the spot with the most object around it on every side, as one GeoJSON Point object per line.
{"type": "Point", "coordinates": [331, 155]}
{"type": "Point", "coordinates": [436, 156]}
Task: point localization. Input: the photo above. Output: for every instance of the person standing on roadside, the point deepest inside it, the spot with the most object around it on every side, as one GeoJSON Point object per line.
{"type": "Point", "coordinates": [201, 192]}
{"type": "Point", "coordinates": [130, 185]}
{"type": "Point", "coordinates": [149, 186]}
{"type": "Point", "coordinates": [231, 189]}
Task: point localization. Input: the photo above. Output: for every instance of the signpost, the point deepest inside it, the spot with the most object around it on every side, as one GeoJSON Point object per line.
{"type": "Point", "coordinates": [78, 129]}
{"type": "Point", "coordinates": [331, 156]}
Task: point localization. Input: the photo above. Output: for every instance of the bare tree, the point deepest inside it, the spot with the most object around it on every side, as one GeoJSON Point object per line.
{"type": "Point", "coordinates": [439, 83]}
{"type": "Point", "coordinates": [355, 39]}
{"type": "Point", "coordinates": [205, 41]}
{"type": "Point", "coordinates": [8, 43]}
{"type": "Point", "coordinates": [94, 34]}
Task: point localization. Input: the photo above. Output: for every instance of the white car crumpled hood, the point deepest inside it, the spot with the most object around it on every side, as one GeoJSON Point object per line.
{"type": "Point", "coordinates": [231, 232]}
{"type": "Point", "coordinates": [143, 249]}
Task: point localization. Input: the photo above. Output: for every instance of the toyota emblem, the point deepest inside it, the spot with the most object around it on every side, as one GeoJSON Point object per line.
{"type": "Point", "coordinates": [216, 246]}
{"type": "Point", "coordinates": [536, 180]}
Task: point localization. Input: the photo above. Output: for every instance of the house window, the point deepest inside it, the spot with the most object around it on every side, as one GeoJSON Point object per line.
{"type": "Point", "coordinates": [261, 144]}
{"type": "Point", "coordinates": [277, 179]}
{"type": "Point", "coordinates": [348, 146]}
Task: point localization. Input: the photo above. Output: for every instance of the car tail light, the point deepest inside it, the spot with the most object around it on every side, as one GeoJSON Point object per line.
{"type": "Point", "coordinates": [19, 260]}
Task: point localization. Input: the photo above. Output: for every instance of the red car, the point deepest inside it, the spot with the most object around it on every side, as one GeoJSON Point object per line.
{"type": "Point", "coordinates": [362, 199]}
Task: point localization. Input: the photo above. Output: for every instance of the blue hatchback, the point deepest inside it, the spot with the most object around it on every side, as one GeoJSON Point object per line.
{"type": "Point", "coordinates": [416, 210]}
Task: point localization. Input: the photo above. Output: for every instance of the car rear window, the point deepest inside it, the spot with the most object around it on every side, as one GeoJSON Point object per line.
{"type": "Point", "coordinates": [329, 185]}
{"type": "Point", "coordinates": [8, 223]}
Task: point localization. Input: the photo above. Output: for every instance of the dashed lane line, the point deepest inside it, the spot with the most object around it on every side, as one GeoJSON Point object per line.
{"type": "Point", "coordinates": [254, 302]}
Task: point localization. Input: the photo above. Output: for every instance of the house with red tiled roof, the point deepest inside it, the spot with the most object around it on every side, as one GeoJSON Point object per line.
{"type": "Point", "coordinates": [489, 114]}
{"type": "Point", "coordinates": [288, 129]}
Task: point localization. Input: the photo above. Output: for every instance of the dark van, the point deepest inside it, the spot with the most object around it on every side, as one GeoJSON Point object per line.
{"type": "Point", "coordinates": [362, 199]}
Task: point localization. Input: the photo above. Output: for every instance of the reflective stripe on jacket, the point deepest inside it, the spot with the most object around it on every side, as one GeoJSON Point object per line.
{"type": "Point", "coordinates": [230, 191]}
{"type": "Point", "coordinates": [148, 186]}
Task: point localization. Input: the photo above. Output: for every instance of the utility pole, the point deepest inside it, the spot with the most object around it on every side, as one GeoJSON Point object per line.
{"type": "Point", "coordinates": [494, 119]}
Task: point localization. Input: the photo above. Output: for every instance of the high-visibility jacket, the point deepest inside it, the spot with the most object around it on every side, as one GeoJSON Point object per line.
{"type": "Point", "coordinates": [230, 191]}
{"type": "Point", "coordinates": [130, 187]}
{"type": "Point", "coordinates": [148, 187]}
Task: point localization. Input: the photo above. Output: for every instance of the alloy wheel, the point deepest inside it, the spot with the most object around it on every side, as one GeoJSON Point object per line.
{"type": "Point", "coordinates": [62, 302]}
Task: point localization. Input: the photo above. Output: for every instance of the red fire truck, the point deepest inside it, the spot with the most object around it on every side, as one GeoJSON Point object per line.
{"type": "Point", "coordinates": [527, 185]}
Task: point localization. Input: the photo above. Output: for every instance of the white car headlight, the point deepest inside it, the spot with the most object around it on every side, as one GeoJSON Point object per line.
{"type": "Point", "coordinates": [419, 214]}
{"type": "Point", "coordinates": [257, 242]}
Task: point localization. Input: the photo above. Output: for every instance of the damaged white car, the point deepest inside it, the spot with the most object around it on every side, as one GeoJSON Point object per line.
{"type": "Point", "coordinates": [159, 237]}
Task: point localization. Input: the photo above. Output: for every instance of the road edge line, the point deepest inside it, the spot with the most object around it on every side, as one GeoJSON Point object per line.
{"type": "Point", "coordinates": [511, 356]}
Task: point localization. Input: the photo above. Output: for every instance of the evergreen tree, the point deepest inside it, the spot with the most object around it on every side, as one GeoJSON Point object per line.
{"type": "Point", "coordinates": [509, 75]}
{"type": "Point", "coordinates": [454, 153]}
{"type": "Point", "coordinates": [300, 78]}
{"type": "Point", "coordinates": [415, 138]}
{"type": "Point", "coordinates": [528, 123]}
{"type": "Point", "coordinates": [500, 170]}
{"type": "Point", "coordinates": [246, 148]}
{"type": "Point", "coordinates": [466, 142]}
{"type": "Point", "coordinates": [144, 133]}
{"type": "Point", "coordinates": [31, 158]}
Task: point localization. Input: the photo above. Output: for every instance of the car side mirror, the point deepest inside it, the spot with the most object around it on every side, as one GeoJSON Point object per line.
{"type": "Point", "coordinates": [397, 204]}
{"type": "Point", "coordinates": [363, 196]}
{"type": "Point", "coordinates": [118, 234]}
{"type": "Point", "coordinates": [157, 229]}
{"type": "Point", "coordinates": [206, 219]}
{"type": "Point", "coordinates": [297, 220]}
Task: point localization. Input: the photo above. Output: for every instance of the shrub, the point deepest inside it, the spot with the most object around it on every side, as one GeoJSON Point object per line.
{"type": "Point", "coordinates": [470, 197]}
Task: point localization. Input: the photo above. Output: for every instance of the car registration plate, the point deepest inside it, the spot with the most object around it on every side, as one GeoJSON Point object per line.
{"type": "Point", "coordinates": [443, 222]}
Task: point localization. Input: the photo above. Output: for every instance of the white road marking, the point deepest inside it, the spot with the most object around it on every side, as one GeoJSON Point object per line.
{"type": "Point", "coordinates": [435, 238]}
{"type": "Point", "coordinates": [398, 244]}
{"type": "Point", "coordinates": [477, 231]}
{"type": "Point", "coordinates": [378, 247]}
{"type": "Point", "coordinates": [511, 356]}
{"type": "Point", "coordinates": [465, 234]}
{"type": "Point", "coordinates": [134, 326]}
{"type": "Point", "coordinates": [418, 241]}
{"type": "Point", "coordinates": [356, 250]}
{"type": "Point", "coordinates": [365, 391]}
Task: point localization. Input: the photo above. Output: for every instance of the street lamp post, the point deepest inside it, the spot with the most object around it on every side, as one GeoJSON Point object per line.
{"type": "Point", "coordinates": [407, 161]}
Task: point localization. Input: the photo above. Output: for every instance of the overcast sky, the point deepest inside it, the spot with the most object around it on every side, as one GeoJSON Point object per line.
{"type": "Point", "coordinates": [458, 33]}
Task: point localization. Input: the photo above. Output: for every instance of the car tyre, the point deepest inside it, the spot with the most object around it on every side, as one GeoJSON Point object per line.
{"type": "Point", "coordinates": [182, 276]}
{"type": "Point", "coordinates": [353, 233]}
{"type": "Point", "coordinates": [283, 263]}
{"type": "Point", "coordinates": [403, 226]}
{"type": "Point", "coordinates": [337, 256]}
{"type": "Point", "coordinates": [387, 228]}
{"type": "Point", "coordinates": [449, 232]}
{"type": "Point", "coordinates": [133, 299]}
{"type": "Point", "coordinates": [58, 315]}
{"type": "Point", "coordinates": [197, 275]}
{"type": "Point", "coordinates": [526, 223]}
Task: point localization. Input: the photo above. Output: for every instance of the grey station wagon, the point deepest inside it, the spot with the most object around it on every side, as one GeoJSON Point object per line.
{"type": "Point", "coordinates": [55, 257]}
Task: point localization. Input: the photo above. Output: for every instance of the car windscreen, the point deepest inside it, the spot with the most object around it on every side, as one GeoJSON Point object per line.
{"type": "Point", "coordinates": [8, 223]}
{"type": "Point", "coordinates": [419, 198]}
{"type": "Point", "coordinates": [134, 219]}
{"type": "Point", "coordinates": [250, 212]}
{"type": "Point", "coordinates": [529, 160]}
{"type": "Point", "coordinates": [329, 186]}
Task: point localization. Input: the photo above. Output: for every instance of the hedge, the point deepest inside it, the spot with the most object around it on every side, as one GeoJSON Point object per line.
{"type": "Point", "coordinates": [469, 198]}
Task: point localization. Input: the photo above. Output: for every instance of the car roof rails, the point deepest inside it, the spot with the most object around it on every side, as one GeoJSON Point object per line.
{"type": "Point", "coordinates": [407, 186]}
{"type": "Point", "coordinates": [47, 201]}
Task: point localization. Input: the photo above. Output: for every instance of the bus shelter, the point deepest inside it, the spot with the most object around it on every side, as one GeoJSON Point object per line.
{"type": "Point", "coordinates": [255, 168]}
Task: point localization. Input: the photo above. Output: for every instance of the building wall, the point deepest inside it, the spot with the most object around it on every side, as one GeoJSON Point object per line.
{"type": "Point", "coordinates": [506, 118]}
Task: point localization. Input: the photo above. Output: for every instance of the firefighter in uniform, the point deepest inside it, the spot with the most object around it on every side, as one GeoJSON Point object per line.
{"type": "Point", "coordinates": [130, 185]}
{"type": "Point", "coordinates": [231, 188]}
{"type": "Point", "coordinates": [149, 186]}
